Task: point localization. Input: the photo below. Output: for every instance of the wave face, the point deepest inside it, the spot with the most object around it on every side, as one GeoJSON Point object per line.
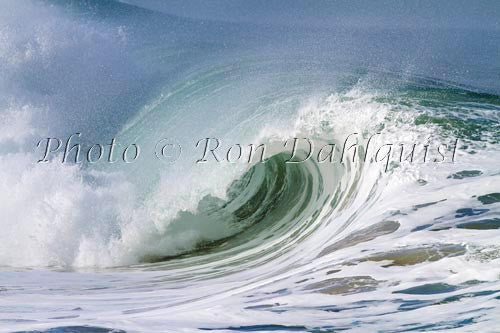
{"type": "Point", "coordinates": [272, 246]}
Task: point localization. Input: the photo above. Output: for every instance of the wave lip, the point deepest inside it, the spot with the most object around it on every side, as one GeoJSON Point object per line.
{"type": "Point", "coordinates": [267, 246]}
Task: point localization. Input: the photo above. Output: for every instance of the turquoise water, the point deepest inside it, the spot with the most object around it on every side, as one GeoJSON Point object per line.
{"type": "Point", "coordinates": [362, 245]}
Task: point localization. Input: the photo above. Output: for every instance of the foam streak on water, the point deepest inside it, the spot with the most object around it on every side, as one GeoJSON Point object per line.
{"type": "Point", "coordinates": [274, 246]}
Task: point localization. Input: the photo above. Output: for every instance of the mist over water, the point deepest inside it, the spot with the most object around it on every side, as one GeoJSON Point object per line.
{"type": "Point", "coordinates": [151, 246]}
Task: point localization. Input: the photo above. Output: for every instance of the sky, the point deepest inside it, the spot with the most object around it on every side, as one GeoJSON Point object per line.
{"type": "Point", "coordinates": [477, 14]}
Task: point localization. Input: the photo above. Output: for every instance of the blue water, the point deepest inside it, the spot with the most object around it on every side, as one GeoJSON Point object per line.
{"type": "Point", "coordinates": [156, 245]}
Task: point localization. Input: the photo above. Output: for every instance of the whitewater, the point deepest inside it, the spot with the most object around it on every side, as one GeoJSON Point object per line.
{"type": "Point", "coordinates": [365, 245]}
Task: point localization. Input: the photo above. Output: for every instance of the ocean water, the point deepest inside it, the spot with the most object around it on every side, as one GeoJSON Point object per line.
{"type": "Point", "coordinates": [361, 243]}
